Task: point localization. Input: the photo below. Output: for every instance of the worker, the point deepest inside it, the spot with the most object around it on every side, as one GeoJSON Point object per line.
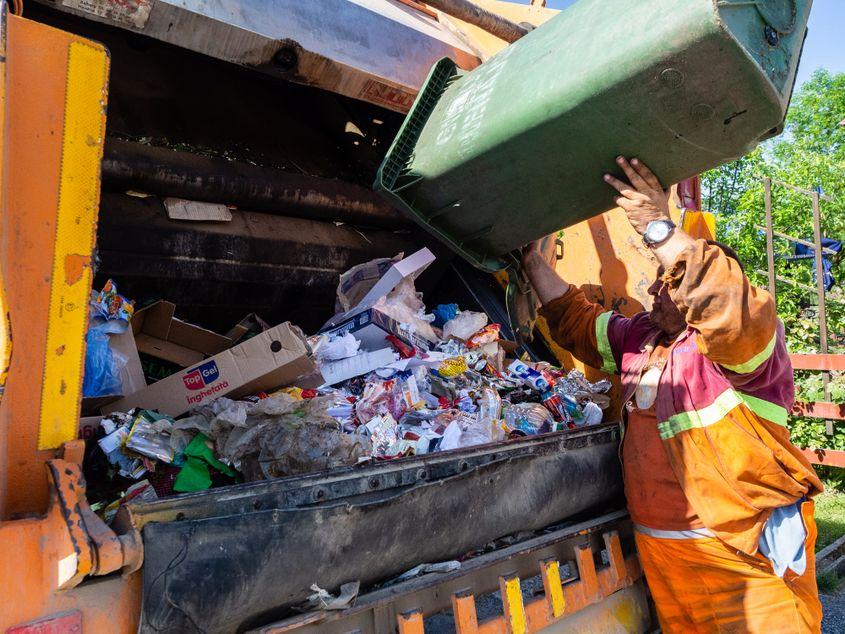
{"type": "Point", "coordinates": [720, 499]}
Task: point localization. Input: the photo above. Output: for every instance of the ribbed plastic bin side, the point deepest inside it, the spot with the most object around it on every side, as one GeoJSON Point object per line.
{"type": "Point", "coordinates": [491, 159]}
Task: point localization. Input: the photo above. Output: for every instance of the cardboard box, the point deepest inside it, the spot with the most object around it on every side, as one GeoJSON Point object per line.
{"type": "Point", "coordinates": [271, 359]}
{"type": "Point", "coordinates": [369, 325]}
{"type": "Point", "coordinates": [131, 375]}
{"type": "Point", "coordinates": [88, 426]}
{"type": "Point", "coordinates": [159, 334]}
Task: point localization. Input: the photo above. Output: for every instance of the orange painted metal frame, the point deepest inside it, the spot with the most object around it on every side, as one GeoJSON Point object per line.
{"type": "Point", "coordinates": [49, 538]}
{"type": "Point", "coordinates": [557, 602]}
{"type": "Point", "coordinates": [36, 62]}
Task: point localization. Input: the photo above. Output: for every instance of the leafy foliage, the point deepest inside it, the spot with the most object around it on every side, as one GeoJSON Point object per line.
{"type": "Point", "coordinates": [811, 155]}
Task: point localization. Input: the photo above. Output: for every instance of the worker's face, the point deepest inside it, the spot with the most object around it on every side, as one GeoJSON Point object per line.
{"type": "Point", "coordinates": [664, 313]}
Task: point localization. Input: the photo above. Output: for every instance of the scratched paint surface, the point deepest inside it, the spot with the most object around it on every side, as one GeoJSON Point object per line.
{"type": "Point", "coordinates": [76, 222]}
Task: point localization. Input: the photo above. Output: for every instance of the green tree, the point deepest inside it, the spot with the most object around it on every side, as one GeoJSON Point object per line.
{"type": "Point", "coordinates": [809, 154]}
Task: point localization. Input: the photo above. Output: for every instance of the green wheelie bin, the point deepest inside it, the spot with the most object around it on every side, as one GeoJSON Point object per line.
{"type": "Point", "coordinates": [490, 159]}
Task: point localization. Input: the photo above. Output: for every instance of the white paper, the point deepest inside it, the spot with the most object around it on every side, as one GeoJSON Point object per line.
{"type": "Point", "coordinates": [336, 371]}
{"type": "Point", "coordinates": [336, 349]}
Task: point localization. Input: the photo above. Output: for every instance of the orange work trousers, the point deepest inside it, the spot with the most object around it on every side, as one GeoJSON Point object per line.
{"type": "Point", "coordinates": [704, 585]}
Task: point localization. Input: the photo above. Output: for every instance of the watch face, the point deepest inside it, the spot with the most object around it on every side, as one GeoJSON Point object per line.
{"type": "Point", "coordinates": [660, 231]}
{"type": "Point", "coordinates": [657, 231]}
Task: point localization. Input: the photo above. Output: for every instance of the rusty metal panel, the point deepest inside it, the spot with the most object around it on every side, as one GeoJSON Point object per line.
{"type": "Point", "coordinates": [280, 267]}
{"type": "Point", "coordinates": [264, 542]}
{"type": "Point", "coordinates": [51, 184]}
{"type": "Point", "coordinates": [373, 50]}
{"type": "Point", "coordinates": [164, 172]}
{"type": "Point", "coordinates": [597, 553]}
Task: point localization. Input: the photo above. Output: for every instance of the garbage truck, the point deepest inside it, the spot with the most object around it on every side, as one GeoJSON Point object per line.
{"type": "Point", "coordinates": [219, 158]}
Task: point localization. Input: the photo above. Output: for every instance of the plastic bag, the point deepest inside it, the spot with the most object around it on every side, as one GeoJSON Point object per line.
{"type": "Point", "coordinates": [465, 431]}
{"type": "Point", "coordinates": [464, 325]}
{"type": "Point", "coordinates": [110, 313]}
{"type": "Point", "coordinates": [486, 335]}
{"type": "Point", "coordinates": [102, 365]}
{"type": "Point", "coordinates": [326, 349]}
{"type": "Point", "coordinates": [443, 313]}
{"type": "Point", "coordinates": [405, 306]}
{"type": "Point", "coordinates": [381, 397]}
{"type": "Point", "coordinates": [592, 414]}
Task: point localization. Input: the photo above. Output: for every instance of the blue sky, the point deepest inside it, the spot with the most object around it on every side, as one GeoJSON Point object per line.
{"type": "Point", "coordinates": [824, 48]}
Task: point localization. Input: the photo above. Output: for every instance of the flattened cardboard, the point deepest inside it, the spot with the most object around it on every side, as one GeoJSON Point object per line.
{"type": "Point", "coordinates": [88, 426]}
{"type": "Point", "coordinates": [181, 209]}
{"type": "Point", "coordinates": [271, 359]}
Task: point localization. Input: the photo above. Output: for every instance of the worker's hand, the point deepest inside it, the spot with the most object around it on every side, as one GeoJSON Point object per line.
{"type": "Point", "coordinates": [644, 199]}
{"type": "Point", "coordinates": [538, 252]}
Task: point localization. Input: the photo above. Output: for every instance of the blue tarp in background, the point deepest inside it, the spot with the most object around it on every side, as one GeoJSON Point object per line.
{"type": "Point", "coordinates": [803, 251]}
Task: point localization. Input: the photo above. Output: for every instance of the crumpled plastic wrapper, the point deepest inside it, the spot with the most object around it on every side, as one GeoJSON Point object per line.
{"type": "Point", "coordinates": [405, 305]}
{"type": "Point", "coordinates": [151, 438]}
{"type": "Point", "coordinates": [327, 349]}
{"type": "Point", "coordinates": [466, 431]}
{"type": "Point", "coordinates": [324, 600]}
{"type": "Point", "coordinates": [425, 569]}
{"type": "Point", "coordinates": [278, 436]}
{"type": "Point", "coordinates": [576, 385]}
{"type": "Point", "coordinates": [575, 382]}
{"type": "Point", "coordinates": [464, 325]}
{"type": "Point", "coordinates": [383, 432]}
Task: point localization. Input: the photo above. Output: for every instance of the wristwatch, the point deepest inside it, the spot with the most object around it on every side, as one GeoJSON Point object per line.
{"type": "Point", "coordinates": [658, 231]}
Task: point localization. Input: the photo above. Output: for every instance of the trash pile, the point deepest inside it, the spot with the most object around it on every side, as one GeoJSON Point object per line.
{"type": "Point", "coordinates": [383, 379]}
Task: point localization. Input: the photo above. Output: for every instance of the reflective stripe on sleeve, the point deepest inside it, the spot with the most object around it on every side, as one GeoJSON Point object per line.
{"type": "Point", "coordinates": [603, 343]}
{"type": "Point", "coordinates": [757, 360]}
{"type": "Point", "coordinates": [713, 413]}
{"type": "Point", "coordinates": [766, 409]}
{"type": "Point", "coordinates": [694, 533]}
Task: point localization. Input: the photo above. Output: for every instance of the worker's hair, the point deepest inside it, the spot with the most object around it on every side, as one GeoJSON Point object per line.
{"type": "Point", "coordinates": [733, 255]}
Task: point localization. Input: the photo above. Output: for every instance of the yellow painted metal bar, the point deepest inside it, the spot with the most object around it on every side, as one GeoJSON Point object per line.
{"type": "Point", "coordinates": [550, 573]}
{"type": "Point", "coordinates": [76, 222]}
{"type": "Point", "coordinates": [513, 605]}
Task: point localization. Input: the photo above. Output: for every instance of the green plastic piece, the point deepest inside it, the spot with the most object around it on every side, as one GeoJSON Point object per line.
{"type": "Point", "coordinates": [514, 150]}
{"type": "Point", "coordinates": [194, 475]}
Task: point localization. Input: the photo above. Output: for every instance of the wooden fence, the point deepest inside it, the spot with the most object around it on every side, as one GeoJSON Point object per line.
{"type": "Point", "coordinates": [823, 410]}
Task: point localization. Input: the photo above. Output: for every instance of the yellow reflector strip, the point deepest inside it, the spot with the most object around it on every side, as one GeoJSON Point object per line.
{"type": "Point", "coordinates": [757, 360]}
{"type": "Point", "coordinates": [70, 284]}
{"type": "Point", "coordinates": [514, 608]}
{"type": "Point", "coordinates": [553, 588]}
{"type": "Point", "coordinates": [603, 343]}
